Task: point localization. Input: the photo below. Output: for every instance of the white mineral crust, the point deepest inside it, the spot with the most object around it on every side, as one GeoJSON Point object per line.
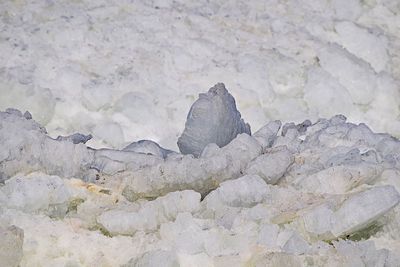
{"type": "Point", "coordinates": [287, 192]}
{"type": "Point", "coordinates": [364, 208]}
{"type": "Point", "coordinates": [151, 215]}
{"type": "Point", "coordinates": [94, 96]}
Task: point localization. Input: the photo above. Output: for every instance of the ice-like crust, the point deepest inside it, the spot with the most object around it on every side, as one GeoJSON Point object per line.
{"type": "Point", "coordinates": [151, 215]}
{"type": "Point", "coordinates": [27, 148]}
{"type": "Point", "coordinates": [186, 172]}
{"type": "Point", "coordinates": [318, 222]}
{"type": "Point", "coordinates": [245, 191]}
{"type": "Point", "coordinates": [333, 220]}
{"type": "Point", "coordinates": [364, 44]}
{"type": "Point", "coordinates": [340, 179]}
{"type": "Point", "coordinates": [272, 165]}
{"type": "Point", "coordinates": [110, 161]}
{"type": "Point", "coordinates": [364, 253]}
{"type": "Point", "coordinates": [213, 118]}
{"type": "Point", "coordinates": [42, 234]}
{"type": "Point", "coordinates": [354, 73]}
{"type": "Point", "coordinates": [11, 242]}
{"type": "Point", "coordinates": [295, 244]}
{"type": "Point", "coordinates": [282, 197]}
{"type": "Point", "coordinates": [34, 192]}
{"type": "Point", "coordinates": [73, 85]}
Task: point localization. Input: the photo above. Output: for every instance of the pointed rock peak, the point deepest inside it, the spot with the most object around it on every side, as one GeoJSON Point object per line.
{"type": "Point", "coordinates": [213, 118]}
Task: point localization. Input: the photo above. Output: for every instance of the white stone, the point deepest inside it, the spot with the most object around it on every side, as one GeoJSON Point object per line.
{"type": "Point", "coordinates": [272, 165]}
{"type": "Point", "coordinates": [151, 215]}
{"type": "Point", "coordinates": [187, 172]}
{"type": "Point", "coordinates": [340, 179]}
{"type": "Point", "coordinates": [245, 191]}
{"type": "Point", "coordinates": [34, 192]}
{"type": "Point", "coordinates": [364, 208]}
{"type": "Point", "coordinates": [268, 133]}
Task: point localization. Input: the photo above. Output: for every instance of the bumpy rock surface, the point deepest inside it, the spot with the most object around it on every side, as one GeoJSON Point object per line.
{"type": "Point", "coordinates": [272, 165]}
{"type": "Point", "coordinates": [308, 194]}
{"type": "Point", "coordinates": [213, 118]}
{"type": "Point", "coordinates": [151, 215]}
{"type": "Point", "coordinates": [25, 147]}
{"type": "Point", "coordinates": [186, 172]}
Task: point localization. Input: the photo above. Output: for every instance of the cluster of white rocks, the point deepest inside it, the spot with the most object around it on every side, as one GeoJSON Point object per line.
{"type": "Point", "coordinates": [322, 193]}
{"type": "Point", "coordinates": [124, 69]}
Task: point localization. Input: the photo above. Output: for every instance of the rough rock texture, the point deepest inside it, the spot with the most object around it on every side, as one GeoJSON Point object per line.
{"type": "Point", "coordinates": [245, 191]}
{"type": "Point", "coordinates": [341, 179]}
{"type": "Point", "coordinates": [185, 172]}
{"type": "Point", "coordinates": [36, 191]}
{"type": "Point", "coordinates": [151, 215]}
{"type": "Point", "coordinates": [25, 147]}
{"type": "Point", "coordinates": [322, 193]}
{"type": "Point", "coordinates": [213, 118]}
{"type": "Point", "coordinates": [272, 165]}
{"type": "Point", "coordinates": [369, 206]}
{"type": "Point", "coordinates": [110, 161]}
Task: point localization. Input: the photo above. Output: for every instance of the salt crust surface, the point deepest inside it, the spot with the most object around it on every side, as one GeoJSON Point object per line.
{"type": "Point", "coordinates": [321, 193]}
{"type": "Point", "coordinates": [124, 70]}
{"type": "Point", "coordinates": [310, 193]}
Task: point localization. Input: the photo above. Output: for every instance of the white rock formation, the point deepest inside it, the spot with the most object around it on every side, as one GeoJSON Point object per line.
{"type": "Point", "coordinates": [272, 165]}
{"type": "Point", "coordinates": [34, 192]}
{"type": "Point", "coordinates": [292, 195]}
{"type": "Point", "coordinates": [27, 148]}
{"type": "Point", "coordinates": [186, 172]}
{"type": "Point", "coordinates": [245, 191]}
{"type": "Point", "coordinates": [150, 215]}
{"type": "Point", "coordinates": [341, 179]}
{"type": "Point", "coordinates": [357, 212]}
{"type": "Point", "coordinates": [362, 209]}
{"type": "Point", "coordinates": [317, 192]}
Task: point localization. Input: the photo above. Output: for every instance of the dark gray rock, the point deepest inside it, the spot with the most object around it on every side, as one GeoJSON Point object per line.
{"type": "Point", "coordinates": [75, 138]}
{"type": "Point", "coordinates": [213, 118]}
{"type": "Point", "coordinates": [27, 115]}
